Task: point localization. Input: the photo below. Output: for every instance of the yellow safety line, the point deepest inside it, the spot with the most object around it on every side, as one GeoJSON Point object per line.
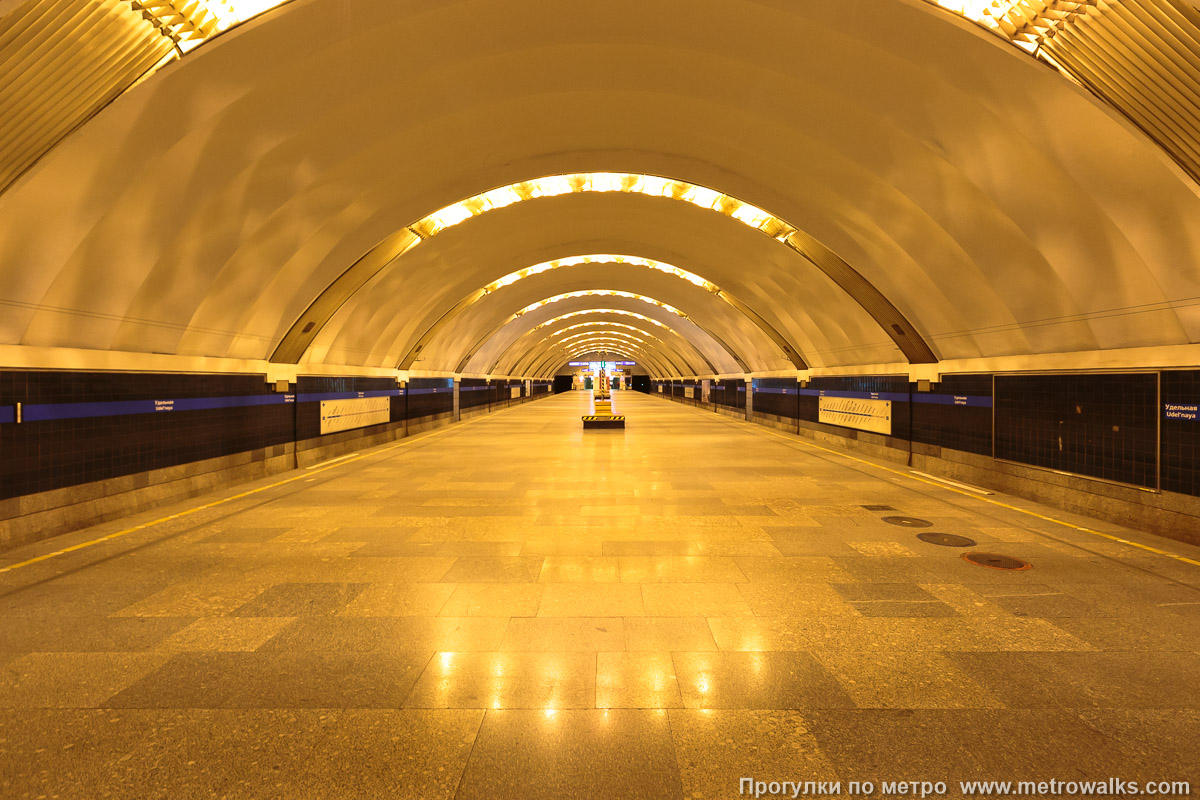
{"type": "Point", "coordinates": [936, 485]}
{"type": "Point", "coordinates": [310, 471]}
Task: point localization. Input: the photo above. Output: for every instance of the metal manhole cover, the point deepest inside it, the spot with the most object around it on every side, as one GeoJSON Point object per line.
{"type": "Point", "coordinates": [946, 539]}
{"type": "Point", "coordinates": [879, 508]}
{"type": "Point", "coordinates": [996, 561]}
{"type": "Point", "coordinates": [908, 522]}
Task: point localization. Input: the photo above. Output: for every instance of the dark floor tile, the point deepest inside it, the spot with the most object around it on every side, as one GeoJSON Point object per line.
{"type": "Point", "coordinates": [244, 535]}
{"type": "Point", "coordinates": [301, 600]}
{"type": "Point", "coordinates": [900, 608]}
{"type": "Point", "coordinates": [277, 680]}
{"type": "Point", "coordinates": [969, 744]}
{"type": "Point", "coordinates": [904, 592]}
{"type": "Point", "coordinates": [1087, 680]}
{"type": "Point", "coordinates": [352, 634]}
{"type": "Point", "coordinates": [86, 634]}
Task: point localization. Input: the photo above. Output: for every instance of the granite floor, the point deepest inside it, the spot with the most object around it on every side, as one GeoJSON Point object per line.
{"type": "Point", "coordinates": [512, 607]}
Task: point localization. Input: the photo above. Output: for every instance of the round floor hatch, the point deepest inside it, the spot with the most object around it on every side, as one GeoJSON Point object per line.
{"type": "Point", "coordinates": [946, 539]}
{"type": "Point", "coordinates": [996, 561]}
{"type": "Point", "coordinates": [908, 522]}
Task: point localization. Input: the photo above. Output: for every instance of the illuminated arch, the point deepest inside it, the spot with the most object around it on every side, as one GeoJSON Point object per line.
{"type": "Point", "coordinates": [440, 324]}
{"type": "Point", "coordinates": [538, 349]}
{"type": "Point", "coordinates": [599, 342]}
{"type": "Point", "coordinates": [310, 323]}
{"type": "Point", "coordinates": [670, 309]}
{"type": "Point", "coordinates": [549, 366]}
{"type": "Point", "coordinates": [633, 315]}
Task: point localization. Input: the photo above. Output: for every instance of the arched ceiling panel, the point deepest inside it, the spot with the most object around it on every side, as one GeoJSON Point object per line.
{"type": "Point", "coordinates": [711, 351]}
{"type": "Point", "coordinates": [708, 310]}
{"type": "Point", "coordinates": [657, 362]}
{"type": "Point", "coordinates": [664, 355]}
{"type": "Point", "coordinates": [562, 366]}
{"type": "Point", "coordinates": [513, 359]}
{"type": "Point", "coordinates": [1000, 208]}
{"type": "Point", "coordinates": [770, 281]}
{"type": "Point", "coordinates": [472, 341]}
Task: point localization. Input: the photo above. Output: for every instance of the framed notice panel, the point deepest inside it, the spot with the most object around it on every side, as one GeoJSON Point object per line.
{"type": "Point", "coordinates": [344, 415]}
{"type": "Point", "coordinates": [852, 412]}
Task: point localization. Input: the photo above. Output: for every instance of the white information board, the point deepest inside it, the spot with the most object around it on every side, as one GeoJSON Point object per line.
{"type": "Point", "coordinates": [514, 392]}
{"type": "Point", "coordinates": [689, 391]}
{"type": "Point", "coordinates": [852, 412]}
{"type": "Point", "coordinates": [344, 415]}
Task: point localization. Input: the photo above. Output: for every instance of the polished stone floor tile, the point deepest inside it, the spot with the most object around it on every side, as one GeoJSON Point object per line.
{"type": "Point", "coordinates": [501, 569]}
{"type": "Point", "coordinates": [753, 634]}
{"type": "Point", "coordinates": [780, 680]}
{"type": "Point", "coordinates": [667, 634]}
{"type": "Point", "coordinates": [591, 600]}
{"type": "Point", "coordinates": [400, 600]}
{"type": "Point", "coordinates": [795, 600]}
{"type": "Point", "coordinates": [225, 634]}
{"type": "Point", "coordinates": [570, 545]}
{"type": "Point", "coordinates": [277, 680]}
{"type": "Point", "coordinates": [71, 680]}
{"type": "Point", "coordinates": [387, 634]}
{"type": "Point", "coordinates": [493, 600]}
{"type": "Point", "coordinates": [793, 569]}
{"type": "Point", "coordinates": [583, 755]}
{"type": "Point", "coordinates": [244, 535]}
{"type": "Point", "coordinates": [165, 754]}
{"type": "Point", "coordinates": [87, 634]}
{"type": "Point", "coordinates": [507, 680]}
{"type": "Point", "coordinates": [636, 680]}
{"type": "Point", "coordinates": [963, 744]}
{"type": "Point", "coordinates": [579, 569]}
{"type": "Point", "coordinates": [567, 634]}
{"type": "Point", "coordinates": [694, 599]}
{"type": "Point", "coordinates": [679, 569]}
{"type": "Point", "coordinates": [301, 600]}
{"type": "Point", "coordinates": [906, 679]}
{"type": "Point", "coordinates": [1087, 680]}
{"type": "Point", "coordinates": [717, 748]}
{"type": "Point", "coordinates": [201, 598]}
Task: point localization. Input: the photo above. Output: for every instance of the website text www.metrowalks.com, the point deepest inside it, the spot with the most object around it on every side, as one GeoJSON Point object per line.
{"type": "Point", "coordinates": [1111, 787]}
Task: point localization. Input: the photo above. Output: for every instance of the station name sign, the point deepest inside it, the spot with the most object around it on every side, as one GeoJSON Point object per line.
{"type": "Point", "coordinates": [1180, 411]}
{"type": "Point", "coordinates": [610, 363]}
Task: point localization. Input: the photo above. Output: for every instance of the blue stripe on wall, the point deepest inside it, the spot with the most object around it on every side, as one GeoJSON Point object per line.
{"type": "Point", "coordinates": [41, 412]}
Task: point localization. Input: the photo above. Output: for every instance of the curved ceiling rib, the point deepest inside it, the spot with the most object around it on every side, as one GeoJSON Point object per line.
{"type": "Point", "coordinates": [610, 339]}
{"type": "Point", "coordinates": [614, 311]}
{"type": "Point", "coordinates": [597, 293]}
{"type": "Point", "coordinates": [534, 351]}
{"type": "Point", "coordinates": [305, 329]}
{"type": "Point", "coordinates": [789, 350]}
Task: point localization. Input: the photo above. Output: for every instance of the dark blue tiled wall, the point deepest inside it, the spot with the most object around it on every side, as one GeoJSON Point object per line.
{"type": "Point", "coordinates": [1104, 426]}
{"type": "Point", "coordinates": [1181, 431]}
{"type": "Point", "coordinates": [778, 396]}
{"type": "Point", "coordinates": [966, 427]}
{"type": "Point", "coordinates": [51, 454]}
{"type": "Point", "coordinates": [424, 403]}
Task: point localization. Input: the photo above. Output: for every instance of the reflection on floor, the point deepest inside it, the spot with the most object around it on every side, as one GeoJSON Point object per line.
{"type": "Point", "coordinates": [514, 607]}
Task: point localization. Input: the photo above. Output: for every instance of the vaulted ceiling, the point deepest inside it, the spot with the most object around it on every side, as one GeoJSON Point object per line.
{"type": "Point", "coordinates": [727, 186]}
